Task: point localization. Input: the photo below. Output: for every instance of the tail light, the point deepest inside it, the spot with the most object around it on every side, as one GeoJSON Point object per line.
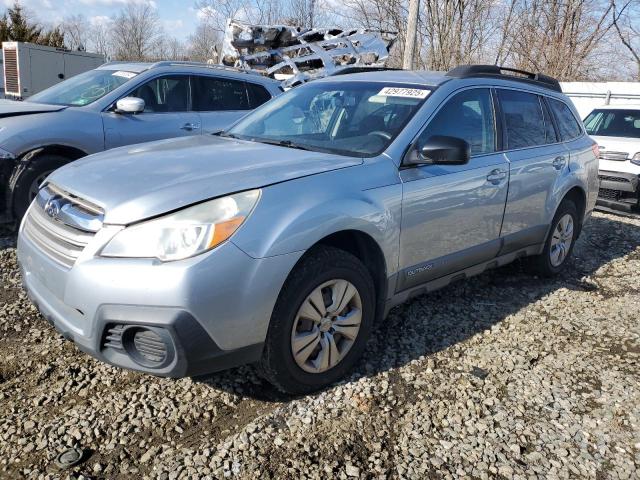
{"type": "Point", "coordinates": [596, 150]}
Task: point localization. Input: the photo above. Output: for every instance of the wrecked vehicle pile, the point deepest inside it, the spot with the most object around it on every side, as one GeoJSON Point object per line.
{"type": "Point", "coordinates": [296, 55]}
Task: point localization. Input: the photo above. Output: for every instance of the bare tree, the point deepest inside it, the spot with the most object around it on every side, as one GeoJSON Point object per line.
{"type": "Point", "coordinates": [626, 20]}
{"type": "Point", "coordinates": [76, 32]}
{"type": "Point", "coordinates": [135, 31]}
{"type": "Point", "coordinates": [205, 43]}
{"type": "Point", "coordinates": [559, 37]}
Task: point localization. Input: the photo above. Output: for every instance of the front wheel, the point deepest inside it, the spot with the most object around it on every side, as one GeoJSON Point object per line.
{"type": "Point", "coordinates": [30, 179]}
{"type": "Point", "coordinates": [560, 242]}
{"type": "Point", "coordinates": [321, 322]}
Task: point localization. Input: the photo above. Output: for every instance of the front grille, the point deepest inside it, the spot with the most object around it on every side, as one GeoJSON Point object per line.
{"type": "Point", "coordinates": [615, 156]}
{"type": "Point", "coordinates": [52, 224]}
{"type": "Point", "coordinates": [11, 77]}
{"type": "Point", "coordinates": [609, 194]}
{"type": "Point", "coordinates": [609, 178]}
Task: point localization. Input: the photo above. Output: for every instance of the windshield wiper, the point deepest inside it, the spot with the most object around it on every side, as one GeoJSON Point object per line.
{"type": "Point", "coordinates": [222, 133]}
{"type": "Point", "coordinates": [283, 143]}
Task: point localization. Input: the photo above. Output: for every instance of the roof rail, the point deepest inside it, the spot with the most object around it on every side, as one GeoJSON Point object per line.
{"type": "Point", "coordinates": [216, 66]}
{"type": "Point", "coordinates": [496, 71]}
{"type": "Point", "coordinates": [348, 70]}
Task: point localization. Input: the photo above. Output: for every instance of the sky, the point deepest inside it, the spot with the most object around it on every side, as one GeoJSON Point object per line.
{"type": "Point", "coordinates": [179, 17]}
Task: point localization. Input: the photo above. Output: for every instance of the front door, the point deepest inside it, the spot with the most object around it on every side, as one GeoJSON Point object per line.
{"type": "Point", "coordinates": [452, 215]}
{"type": "Point", "coordinates": [166, 114]}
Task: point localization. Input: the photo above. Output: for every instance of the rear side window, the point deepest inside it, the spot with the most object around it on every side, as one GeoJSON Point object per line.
{"type": "Point", "coordinates": [524, 120]}
{"type": "Point", "coordinates": [568, 126]}
{"type": "Point", "coordinates": [212, 94]}
{"type": "Point", "coordinates": [257, 95]}
{"type": "Point", "coordinates": [549, 129]}
{"type": "Point", "coordinates": [469, 116]}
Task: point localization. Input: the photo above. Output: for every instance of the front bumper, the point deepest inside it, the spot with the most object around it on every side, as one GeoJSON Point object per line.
{"type": "Point", "coordinates": [619, 191]}
{"type": "Point", "coordinates": [213, 309]}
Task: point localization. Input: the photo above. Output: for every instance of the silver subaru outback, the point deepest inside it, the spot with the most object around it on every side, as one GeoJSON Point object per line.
{"type": "Point", "coordinates": [283, 239]}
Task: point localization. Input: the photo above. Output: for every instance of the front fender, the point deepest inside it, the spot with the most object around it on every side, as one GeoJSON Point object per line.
{"type": "Point", "coordinates": [293, 216]}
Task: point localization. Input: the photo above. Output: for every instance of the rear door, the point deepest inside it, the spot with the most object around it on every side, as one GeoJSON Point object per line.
{"type": "Point", "coordinates": [167, 114]}
{"type": "Point", "coordinates": [220, 101]}
{"type": "Point", "coordinates": [451, 214]}
{"type": "Point", "coordinates": [538, 162]}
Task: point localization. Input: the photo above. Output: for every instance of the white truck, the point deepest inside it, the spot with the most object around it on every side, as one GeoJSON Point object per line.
{"type": "Point", "coordinates": [30, 68]}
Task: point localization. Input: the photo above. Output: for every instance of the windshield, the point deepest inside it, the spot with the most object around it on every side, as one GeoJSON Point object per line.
{"type": "Point", "coordinates": [347, 118]}
{"type": "Point", "coordinates": [84, 88]}
{"type": "Point", "coordinates": [614, 123]}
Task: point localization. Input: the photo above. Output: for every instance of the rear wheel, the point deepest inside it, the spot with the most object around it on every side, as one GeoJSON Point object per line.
{"type": "Point", "coordinates": [321, 322]}
{"type": "Point", "coordinates": [560, 242]}
{"type": "Point", "coordinates": [29, 181]}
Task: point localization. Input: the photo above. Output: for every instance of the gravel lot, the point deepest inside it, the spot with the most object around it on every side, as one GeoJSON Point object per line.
{"type": "Point", "coordinates": [503, 376]}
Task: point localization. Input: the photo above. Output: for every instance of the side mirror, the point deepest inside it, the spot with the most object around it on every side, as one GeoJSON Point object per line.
{"type": "Point", "coordinates": [130, 105]}
{"type": "Point", "coordinates": [441, 150]}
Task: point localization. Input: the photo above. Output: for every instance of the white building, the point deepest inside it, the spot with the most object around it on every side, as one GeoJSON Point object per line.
{"type": "Point", "coordinates": [588, 95]}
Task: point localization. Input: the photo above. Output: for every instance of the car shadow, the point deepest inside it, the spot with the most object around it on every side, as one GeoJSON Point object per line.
{"type": "Point", "coordinates": [435, 321]}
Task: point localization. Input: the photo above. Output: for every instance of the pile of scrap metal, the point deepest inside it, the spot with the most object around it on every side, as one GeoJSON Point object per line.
{"type": "Point", "coordinates": [295, 55]}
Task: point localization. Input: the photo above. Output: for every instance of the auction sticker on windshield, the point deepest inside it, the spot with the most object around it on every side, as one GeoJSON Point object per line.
{"type": "Point", "coordinates": [404, 92]}
{"type": "Point", "coordinates": [122, 73]}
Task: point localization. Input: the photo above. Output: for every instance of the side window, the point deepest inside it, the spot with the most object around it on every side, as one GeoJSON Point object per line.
{"type": "Point", "coordinates": [212, 94]}
{"type": "Point", "coordinates": [165, 94]}
{"type": "Point", "coordinates": [567, 123]}
{"type": "Point", "coordinates": [523, 118]}
{"type": "Point", "coordinates": [469, 116]}
{"type": "Point", "coordinates": [257, 94]}
{"type": "Point", "coordinates": [549, 129]}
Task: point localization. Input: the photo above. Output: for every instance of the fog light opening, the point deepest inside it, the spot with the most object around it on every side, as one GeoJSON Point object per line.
{"type": "Point", "coordinates": [147, 347]}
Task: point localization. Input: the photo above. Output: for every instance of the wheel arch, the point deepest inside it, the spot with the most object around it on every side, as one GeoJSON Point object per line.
{"type": "Point", "coordinates": [30, 157]}
{"type": "Point", "coordinates": [365, 248]}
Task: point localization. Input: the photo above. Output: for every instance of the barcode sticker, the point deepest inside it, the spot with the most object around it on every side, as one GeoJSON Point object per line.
{"type": "Point", "coordinates": [404, 92]}
{"type": "Point", "coordinates": [122, 73]}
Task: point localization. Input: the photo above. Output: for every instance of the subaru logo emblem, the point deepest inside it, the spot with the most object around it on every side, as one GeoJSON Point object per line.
{"type": "Point", "coordinates": [52, 207]}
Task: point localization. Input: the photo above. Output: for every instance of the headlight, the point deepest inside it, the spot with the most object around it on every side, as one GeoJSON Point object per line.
{"type": "Point", "coordinates": [5, 154]}
{"type": "Point", "coordinates": [636, 159]}
{"type": "Point", "coordinates": [185, 233]}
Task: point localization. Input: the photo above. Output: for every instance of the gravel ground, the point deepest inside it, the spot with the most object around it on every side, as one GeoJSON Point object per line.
{"type": "Point", "coordinates": [502, 376]}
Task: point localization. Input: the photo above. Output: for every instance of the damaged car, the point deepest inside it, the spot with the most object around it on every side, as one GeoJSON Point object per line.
{"type": "Point", "coordinates": [283, 239]}
{"type": "Point", "coordinates": [114, 105]}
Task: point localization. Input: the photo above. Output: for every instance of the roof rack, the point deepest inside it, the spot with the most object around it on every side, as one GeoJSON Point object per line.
{"type": "Point", "coordinates": [496, 71]}
{"type": "Point", "coordinates": [216, 66]}
{"type": "Point", "coordinates": [348, 70]}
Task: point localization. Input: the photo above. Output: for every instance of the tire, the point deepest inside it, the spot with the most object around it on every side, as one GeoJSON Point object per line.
{"type": "Point", "coordinates": [321, 266]}
{"type": "Point", "coordinates": [551, 262]}
{"type": "Point", "coordinates": [37, 170]}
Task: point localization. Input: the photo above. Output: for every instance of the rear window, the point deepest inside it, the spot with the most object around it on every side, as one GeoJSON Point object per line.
{"type": "Point", "coordinates": [569, 128]}
{"type": "Point", "coordinates": [614, 123]}
{"type": "Point", "coordinates": [524, 120]}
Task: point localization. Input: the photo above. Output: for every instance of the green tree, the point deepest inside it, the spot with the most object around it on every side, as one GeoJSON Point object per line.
{"type": "Point", "coordinates": [15, 26]}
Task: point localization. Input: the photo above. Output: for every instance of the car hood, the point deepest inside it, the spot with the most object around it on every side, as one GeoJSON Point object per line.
{"type": "Point", "coordinates": [618, 144]}
{"type": "Point", "coordinates": [11, 108]}
{"type": "Point", "coordinates": [145, 180]}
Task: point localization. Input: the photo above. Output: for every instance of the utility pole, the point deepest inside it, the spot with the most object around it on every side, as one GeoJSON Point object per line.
{"type": "Point", "coordinates": [412, 33]}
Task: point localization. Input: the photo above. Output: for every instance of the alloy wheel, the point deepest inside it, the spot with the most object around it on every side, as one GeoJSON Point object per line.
{"type": "Point", "coordinates": [561, 240]}
{"type": "Point", "coordinates": [326, 326]}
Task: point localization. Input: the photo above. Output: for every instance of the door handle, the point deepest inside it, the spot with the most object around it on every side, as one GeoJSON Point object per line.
{"type": "Point", "coordinates": [559, 162]}
{"type": "Point", "coordinates": [190, 126]}
{"type": "Point", "coordinates": [496, 176]}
